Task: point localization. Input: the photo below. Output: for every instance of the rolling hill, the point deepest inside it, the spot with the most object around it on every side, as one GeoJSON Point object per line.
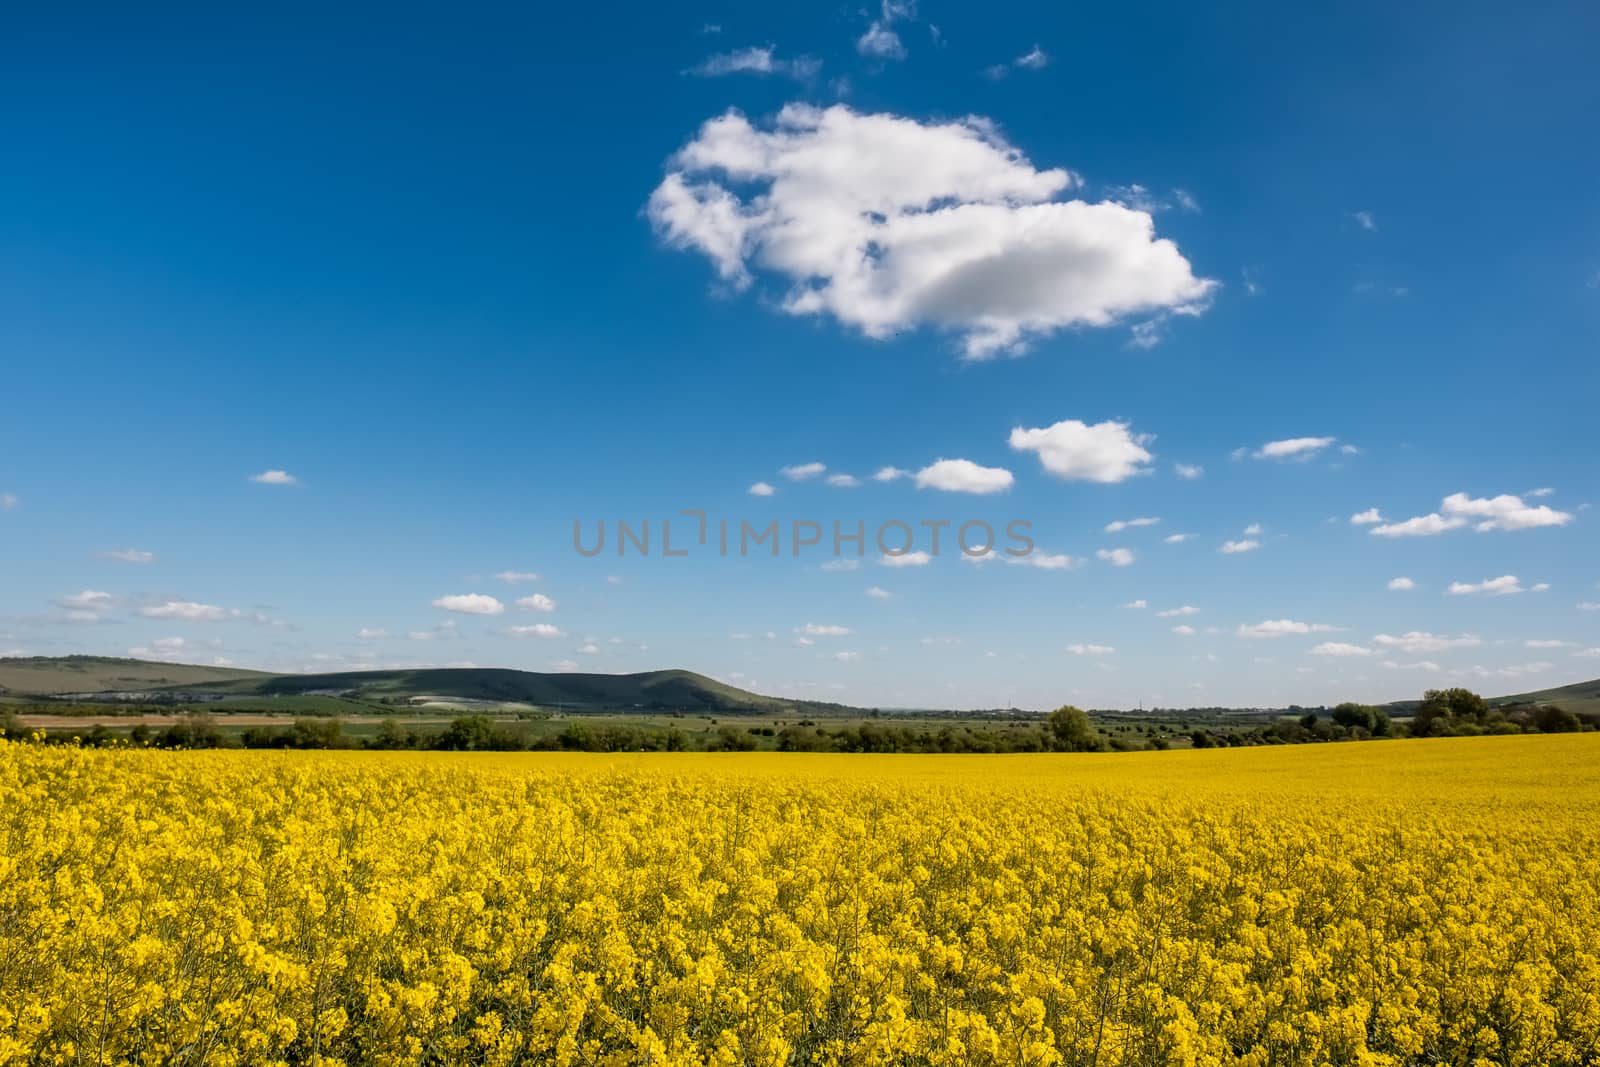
{"type": "Point", "coordinates": [1578, 698]}
{"type": "Point", "coordinates": [652, 690]}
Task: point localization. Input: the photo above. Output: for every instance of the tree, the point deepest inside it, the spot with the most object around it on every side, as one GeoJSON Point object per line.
{"type": "Point", "coordinates": [1073, 730]}
{"type": "Point", "coordinates": [1352, 715]}
{"type": "Point", "coordinates": [1445, 711]}
{"type": "Point", "coordinates": [1550, 719]}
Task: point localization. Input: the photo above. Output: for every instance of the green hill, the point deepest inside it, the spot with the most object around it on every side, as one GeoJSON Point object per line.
{"type": "Point", "coordinates": [652, 690]}
{"type": "Point", "coordinates": [47, 676]}
{"type": "Point", "coordinates": [1578, 698]}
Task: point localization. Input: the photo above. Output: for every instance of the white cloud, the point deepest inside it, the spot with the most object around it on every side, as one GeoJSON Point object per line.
{"type": "Point", "coordinates": [369, 633]}
{"type": "Point", "coordinates": [1539, 492]}
{"type": "Point", "coordinates": [1415, 641]}
{"type": "Point", "coordinates": [964, 476]}
{"type": "Point", "coordinates": [1504, 585]}
{"type": "Point", "coordinates": [799, 472]}
{"type": "Point", "coordinates": [841, 565]}
{"type": "Point", "coordinates": [1177, 539]}
{"type": "Point", "coordinates": [588, 649]}
{"type": "Point", "coordinates": [1117, 557]}
{"type": "Point", "coordinates": [538, 629]}
{"type": "Point", "coordinates": [1123, 524]}
{"type": "Point", "coordinates": [1091, 650]}
{"type": "Point", "coordinates": [1401, 584]}
{"type": "Point", "coordinates": [1183, 630]}
{"type": "Point", "coordinates": [761, 489]}
{"type": "Point", "coordinates": [536, 602]}
{"type": "Point", "coordinates": [757, 60]}
{"type": "Point", "coordinates": [1104, 452]}
{"type": "Point", "coordinates": [275, 478]}
{"type": "Point", "coordinates": [1586, 605]}
{"type": "Point", "coordinates": [90, 600]}
{"type": "Point", "coordinates": [1588, 653]}
{"type": "Point", "coordinates": [470, 604]}
{"type": "Point", "coordinates": [1292, 448]}
{"type": "Point", "coordinates": [1137, 605]}
{"type": "Point", "coordinates": [517, 577]}
{"type": "Point", "coordinates": [1340, 648]}
{"type": "Point", "coordinates": [1235, 547]}
{"type": "Point", "coordinates": [1349, 450]}
{"type": "Point", "coordinates": [1188, 471]}
{"type": "Point", "coordinates": [906, 559]}
{"type": "Point", "coordinates": [812, 629]}
{"type": "Point", "coordinates": [613, 579]}
{"type": "Point", "coordinates": [1284, 628]}
{"type": "Point", "coordinates": [1045, 561]}
{"type": "Point", "coordinates": [1420, 526]}
{"type": "Point", "coordinates": [843, 481]}
{"type": "Point", "coordinates": [1252, 530]}
{"type": "Point", "coordinates": [889, 474]}
{"type": "Point", "coordinates": [1366, 518]}
{"type": "Point", "coordinates": [128, 555]}
{"type": "Point", "coordinates": [8, 501]}
{"type": "Point", "coordinates": [564, 666]}
{"type": "Point", "coordinates": [188, 610]}
{"type": "Point", "coordinates": [879, 593]}
{"type": "Point", "coordinates": [880, 42]}
{"type": "Point", "coordinates": [1504, 512]}
{"type": "Point", "coordinates": [1365, 220]}
{"type": "Point", "coordinates": [1420, 665]}
{"type": "Point", "coordinates": [887, 223]}
{"type": "Point", "coordinates": [1173, 613]}
{"type": "Point", "coordinates": [1546, 644]}
{"type": "Point", "coordinates": [847, 657]}
{"type": "Point", "coordinates": [1034, 59]}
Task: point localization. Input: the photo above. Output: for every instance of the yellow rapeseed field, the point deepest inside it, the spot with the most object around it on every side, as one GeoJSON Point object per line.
{"type": "Point", "coordinates": [1408, 902]}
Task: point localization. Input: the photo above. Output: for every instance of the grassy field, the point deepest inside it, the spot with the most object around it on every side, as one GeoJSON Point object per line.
{"type": "Point", "coordinates": [1383, 904]}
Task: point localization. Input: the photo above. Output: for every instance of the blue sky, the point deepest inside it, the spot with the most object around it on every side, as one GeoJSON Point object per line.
{"type": "Point", "coordinates": [468, 279]}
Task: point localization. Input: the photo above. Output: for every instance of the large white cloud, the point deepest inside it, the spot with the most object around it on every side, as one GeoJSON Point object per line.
{"type": "Point", "coordinates": [1503, 512]}
{"type": "Point", "coordinates": [1077, 451]}
{"type": "Point", "coordinates": [887, 223]}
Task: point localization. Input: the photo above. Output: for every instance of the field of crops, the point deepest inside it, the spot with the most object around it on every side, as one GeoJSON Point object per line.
{"type": "Point", "coordinates": [1382, 903]}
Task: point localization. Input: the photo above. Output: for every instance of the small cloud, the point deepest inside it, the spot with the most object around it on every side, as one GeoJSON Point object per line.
{"type": "Point", "coordinates": [8, 501]}
{"type": "Point", "coordinates": [800, 472]}
{"type": "Point", "coordinates": [1294, 448]}
{"type": "Point", "coordinates": [1284, 628]}
{"type": "Point", "coordinates": [1419, 641]}
{"type": "Point", "coordinates": [1091, 650]}
{"type": "Point", "coordinates": [1370, 517]}
{"type": "Point", "coordinates": [470, 604]}
{"type": "Point", "coordinates": [128, 555]}
{"type": "Point", "coordinates": [1233, 548]}
{"type": "Point", "coordinates": [1117, 557]}
{"type": "Point", "coordinates": [589, 649]}
{"type": "Point", "coordinates": [889, 474]}
{"type": "Point", "coordinates": [1172, 613]}
{"type": "Point", "coordinates": [843, 481]}
{"type": "Point", "coordinates": [1189, 471]}
{"type": "Point", "coordinates": [189, 611]}
{"type": "Point", "coordinates": [517, 577]}
{"type": "Point", "coordinates": [1137, 605]}
{"type": "Point", "coordinates": [1539, 492]}
{"type": "Point", "coordinates": [538, 629]}
{"type": "Point", "coordinates": [371, 633]}
{"type": "Point", "coordinates": [964, 476]}
{"type": "Point", "coordinates": [759, 61]}
{"type": "Point", "coordinates": [1253, 530]}
{"type": "Point", "coordinates": [1034, 59]}
{"type": "Point", "coordinates": [841, 565]}
{"type": "Point", "coordinates": [1177, 538]}
{"type": "Point", "coordinates": [1546, 644]}
{"type": "Point", "coordinates": [1045, 561]}
{"type": "Point", "coordinates": [1105, 452]}
{"type": "Point", "coordinates": [1123, 524]}
{"type": "Point", "coordinates": [537, 602]}
{"type": "Point", "coordinates": [1340, 648]}
{"type": "Point", "coordinates": [847, 657]}
{"type": "Point", "coordinates": [879, 593]}
{"type": "Point", "coordinates": [761, 489]}
{"type": "Point", "coordinates": [564, 666]}
{"type": "Point", "coordinates": [275, 478]}
{"type": "Point", "coordinates": [1365, 220]}
{"type": "Point", "coordinates": [613, 579]}
{"type": "Point", "coordinates": [812, 629]}
{"type": "Point", "coordinates": [1505, 585]}
{"type": "Point", "coordinates": [1183, 630]}
{"type": "Point", "coordinates": [906, 559]}
{"type": "Point", "coordinates": [1401, 584]}
{"type": "Point", "coordinates": [880, 42]}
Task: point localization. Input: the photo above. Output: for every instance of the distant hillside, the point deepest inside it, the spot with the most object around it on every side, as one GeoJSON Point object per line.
{"type": "Point", "coordinates": [1578, 698]}
{"type": "Point", "coordinates": [44, 676]}
{"type": "Point", "coordinates": [654, 690]}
